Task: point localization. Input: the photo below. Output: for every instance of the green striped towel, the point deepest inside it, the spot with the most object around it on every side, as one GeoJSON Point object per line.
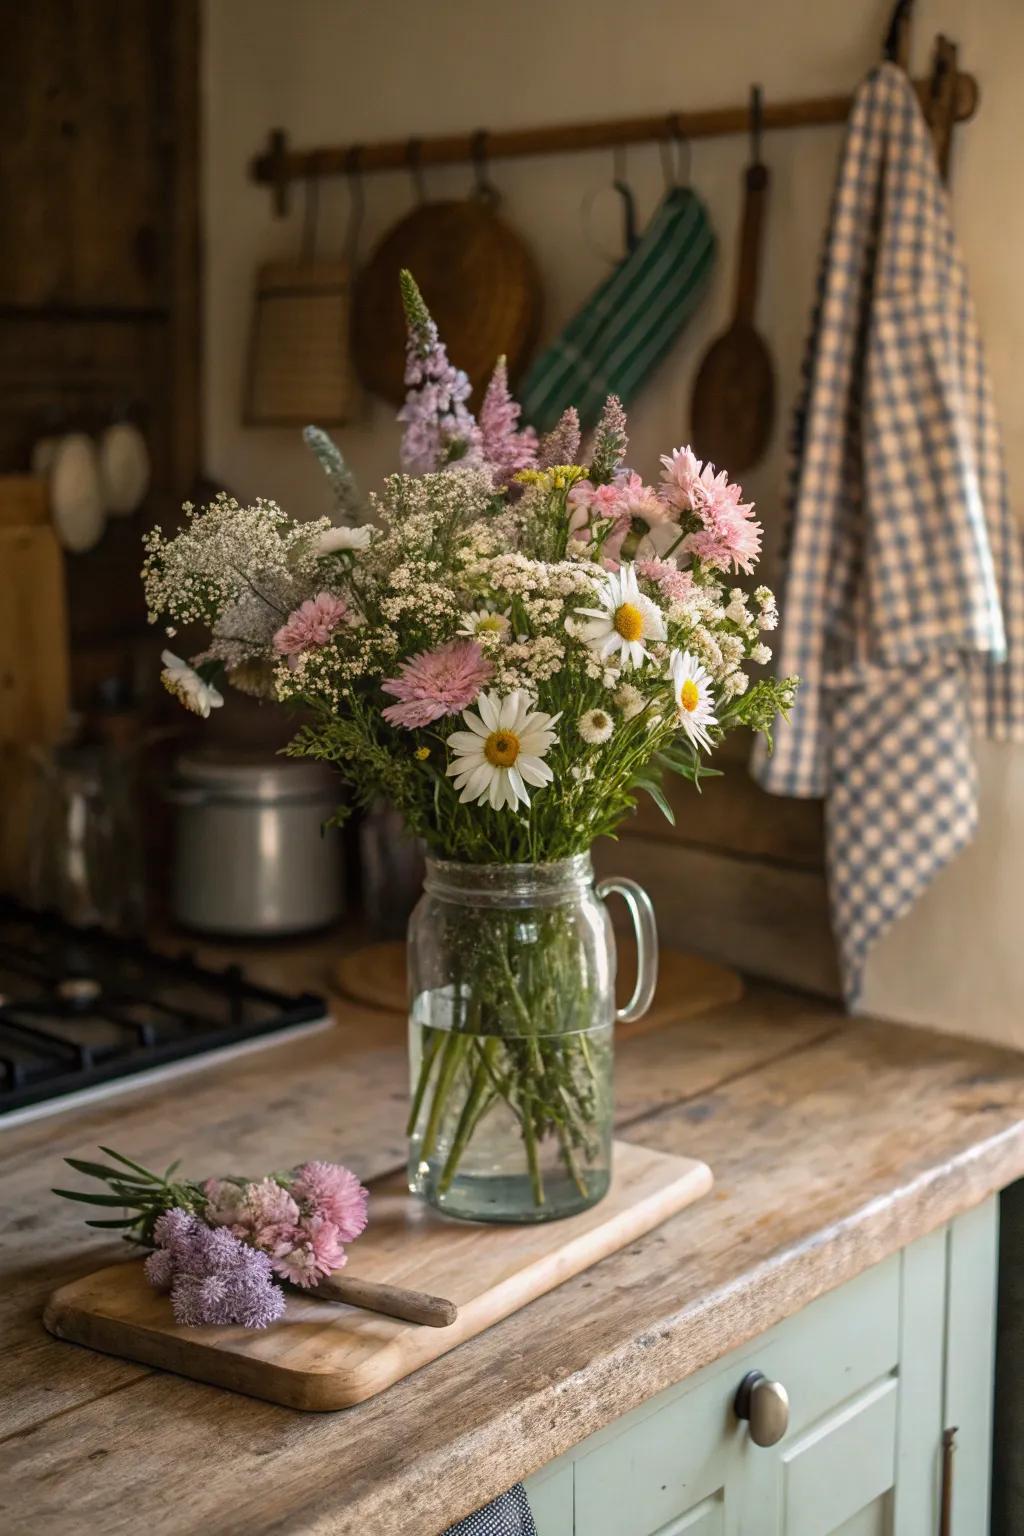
{"type": "Point", "coordinates": [630, 321]}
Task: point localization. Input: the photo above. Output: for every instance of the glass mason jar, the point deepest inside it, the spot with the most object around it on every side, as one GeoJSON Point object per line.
{"type": "Point", "coordinates": [512, 1015]}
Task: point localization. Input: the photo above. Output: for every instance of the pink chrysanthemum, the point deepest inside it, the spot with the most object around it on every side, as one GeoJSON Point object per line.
{"type": "Point", "coordinates": [729, 537]}
{"type": "Point", "coordinates": [674, 583]}
{"type": "Point", "coordinates": [311, 625]}
{"type": "Point", "coordinates": [306, 1253]}
{"type": "Point", "coordinates": [334, 1193]}
{"type": "Point", "coordinates": [436, 683]}
{"type": "Point", "coordinates": [681, 480]}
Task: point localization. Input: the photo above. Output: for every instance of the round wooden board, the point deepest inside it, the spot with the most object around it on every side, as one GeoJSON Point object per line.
{"type": "Point", "coordinates": [687, 984]}
{"type": "Point", "coordinates": [480, 283]}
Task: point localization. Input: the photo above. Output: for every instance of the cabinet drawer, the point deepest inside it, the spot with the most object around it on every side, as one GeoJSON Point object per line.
{"type": "Point", "coordinates": [680, 1454]}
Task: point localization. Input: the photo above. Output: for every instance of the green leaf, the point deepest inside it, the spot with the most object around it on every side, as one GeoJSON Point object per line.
{"type": "Point", "coordinates": [94, 1170]}
{"type": "Point", "coordinates": [147, 1173]}
{"type": "Point", "coordinates": [171, 1170]}
{"type": "Point", "coordinates": [77, 1194]}
{"type": "Point", "coordinates": [655, 791]}
{"type": "Point", "coordinates": [129, 1222]}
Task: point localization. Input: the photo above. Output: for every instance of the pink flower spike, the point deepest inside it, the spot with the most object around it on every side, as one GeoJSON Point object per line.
{"type": "Point", "coordinates": [435, 683]}
{"type": "Point", "coordinates": [333, 1192]}
{"type": "Point", "coordinates": [311, 625]}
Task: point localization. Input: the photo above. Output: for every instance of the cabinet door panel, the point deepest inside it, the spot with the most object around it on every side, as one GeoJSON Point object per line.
{"type": "Point", "coordinates": [843, 1463]}
{"type": "Point", "coordinates": [550, 1496]}
{"type": "Point", "coordinates": [669, 1467]}
{"type": "Point", "coordinates": [875, 1519]}
{"type": "Point", "coordinates": [706, 1520]}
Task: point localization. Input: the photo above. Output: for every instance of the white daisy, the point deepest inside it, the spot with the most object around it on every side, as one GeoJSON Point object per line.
{"type": "Point", "coordinates": [595, 726]}
{"type": "Point", "coordinates": [502, 751]}
{"type": "Point", "coordinates": [482, 621]}
{"type": "Point", "coordinates": [624, 621]}
{"type": "Point", "coordinates": [694, 697]}
{"type": "Point", "coordinates": [335, 540]}
{"type": "Point", "coordinates": [188, 687]}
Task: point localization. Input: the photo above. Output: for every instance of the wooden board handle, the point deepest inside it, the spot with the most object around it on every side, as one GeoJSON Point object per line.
{"type": "Point", "coordinates": [392, 1300]}
{"type": "Point", "coordinates": [754, 200]}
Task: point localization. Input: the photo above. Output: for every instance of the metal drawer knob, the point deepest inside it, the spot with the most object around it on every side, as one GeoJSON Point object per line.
{"type": "Point", "coordinates": [766, 1404]}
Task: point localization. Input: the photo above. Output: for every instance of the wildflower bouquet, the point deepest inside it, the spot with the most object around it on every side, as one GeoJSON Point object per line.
{"type": "Point", "coordinates": [510, 642]}
{"type": "Point", "coordinates": [222, 1247]}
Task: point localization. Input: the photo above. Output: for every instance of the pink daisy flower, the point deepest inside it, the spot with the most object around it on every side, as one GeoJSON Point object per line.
{"type": "Point", "coordinates": [334, 1193]}
{"type": "Point", "coordinates": [436, 683]}
{"type": "Point", "coordinates": [312, 624]}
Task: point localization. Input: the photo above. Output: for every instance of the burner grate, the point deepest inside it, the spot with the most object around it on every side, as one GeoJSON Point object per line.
{"type": "Point", "coordinates": [80, 1008]}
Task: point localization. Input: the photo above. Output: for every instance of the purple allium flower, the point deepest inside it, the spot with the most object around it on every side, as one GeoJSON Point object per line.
{"type": "Point", "coordinates": [214, 1277]}
{"type": "Point", "coordinates": [440, 432]}
{"type": "Point", "coordinates": [562, 443]}
{"type": "Point", "coordinates": [505, 447]}
{"type": "Point", "coordinates": [610, 442]}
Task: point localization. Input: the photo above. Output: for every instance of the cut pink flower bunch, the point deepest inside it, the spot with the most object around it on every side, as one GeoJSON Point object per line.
{"type": "Point", "coordinates": [221, 1246]}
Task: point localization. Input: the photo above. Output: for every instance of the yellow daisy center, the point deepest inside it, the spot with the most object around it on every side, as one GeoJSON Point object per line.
{"type": "Point", "coordinates": [689, 696]}
{"type": "Point", "coordinates": [629, 621]}
{"type": "Point", "coordinates": [501, 748]}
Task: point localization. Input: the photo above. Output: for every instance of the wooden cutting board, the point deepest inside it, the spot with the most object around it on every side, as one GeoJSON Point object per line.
{"type": "Point", "coordinates": [324, 1356]}
{"type": "Point", "coordinates": [687, 984]}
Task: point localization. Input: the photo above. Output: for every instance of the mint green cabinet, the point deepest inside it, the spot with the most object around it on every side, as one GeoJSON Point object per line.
{"type": "Point", "coordinates": [874, 1372]}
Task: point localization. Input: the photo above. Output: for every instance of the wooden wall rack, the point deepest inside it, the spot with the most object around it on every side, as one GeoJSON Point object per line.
{"type": "Point", "coordinates": [279, 164]}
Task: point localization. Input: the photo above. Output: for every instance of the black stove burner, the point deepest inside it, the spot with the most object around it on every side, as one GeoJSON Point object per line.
{"type": "Point", "coordinates": [79, 1007]}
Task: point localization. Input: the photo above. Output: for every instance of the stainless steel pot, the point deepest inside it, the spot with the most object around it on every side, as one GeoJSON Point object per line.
{"type": "Point", "coordinates": [251, 856]}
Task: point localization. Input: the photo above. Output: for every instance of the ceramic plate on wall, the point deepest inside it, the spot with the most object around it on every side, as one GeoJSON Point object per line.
{"type": "Point", "coordinates": [76, 496]}
{"type": "Point", "coordinates": [124, 468]}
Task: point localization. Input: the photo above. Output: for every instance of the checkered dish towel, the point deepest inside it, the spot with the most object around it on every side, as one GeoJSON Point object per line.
{"type": "Point", "coordinates": [629, 323]}
{"type": "Point", "coordinates": [508, 1516]}
{"type": "Point", "coordinates": [904, 600]}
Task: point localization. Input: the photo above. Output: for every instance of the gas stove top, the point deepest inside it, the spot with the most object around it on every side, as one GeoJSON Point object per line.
{"type": "Point", "coordinates": [83, 1013]}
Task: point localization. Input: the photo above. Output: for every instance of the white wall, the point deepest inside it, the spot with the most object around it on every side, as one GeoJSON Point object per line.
{"type": "Point", "coordinates": [334, 71]}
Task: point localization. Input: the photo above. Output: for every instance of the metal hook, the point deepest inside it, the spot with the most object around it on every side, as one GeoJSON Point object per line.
{"type": "Point", "coordinates": [353, 171]}
{"type": "Point", "coordinates": [756, 122]}
{"type": "Point", "coordinates": [484, 189]}
{"type": "Point", "coordinates": [414, 160]}
{"type": "Point", "coordinates": [678, 174]}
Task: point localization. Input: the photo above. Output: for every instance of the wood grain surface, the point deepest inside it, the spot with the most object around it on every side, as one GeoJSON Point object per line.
{"type": "Point", "coordinates": [833, 1143]}
{"type": "Point", "coordinates": [322, 1357]}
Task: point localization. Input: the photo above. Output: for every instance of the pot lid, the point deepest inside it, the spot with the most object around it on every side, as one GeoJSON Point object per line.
{"type": "Point", "coordinates": [262, 776]}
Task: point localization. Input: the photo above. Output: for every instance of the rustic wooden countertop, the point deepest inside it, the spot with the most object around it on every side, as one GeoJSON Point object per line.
{"type": "Point", "coordinates": [833, 1142]}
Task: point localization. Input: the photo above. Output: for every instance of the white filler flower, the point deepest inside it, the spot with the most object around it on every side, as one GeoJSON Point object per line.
{"type": "Point", "coordinates": [694, 697]}
{"type": "Point", "coordinates": [624, 621]}
{"type": "Point", "coordinates": [595, 726]}
{"type": "Point", "coordinates": [188, 687]}
{"type": "Point", "coordinates": [502, 751]}
{"type": "Point", "coordinates": [337, 539]}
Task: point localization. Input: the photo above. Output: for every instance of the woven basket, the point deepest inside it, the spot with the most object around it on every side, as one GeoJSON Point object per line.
{"type": "Point", "coordinates": [480, 283]}
{"type": "Point", "coordinates": [299, 368]}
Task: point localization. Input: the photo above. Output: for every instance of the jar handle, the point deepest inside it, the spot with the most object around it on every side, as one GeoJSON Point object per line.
{"type": "Point", "coordinates": [646, 930]}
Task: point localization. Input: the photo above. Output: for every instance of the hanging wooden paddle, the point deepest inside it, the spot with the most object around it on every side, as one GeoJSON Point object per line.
{"type": "Point", "coordinates": [733, 403]}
